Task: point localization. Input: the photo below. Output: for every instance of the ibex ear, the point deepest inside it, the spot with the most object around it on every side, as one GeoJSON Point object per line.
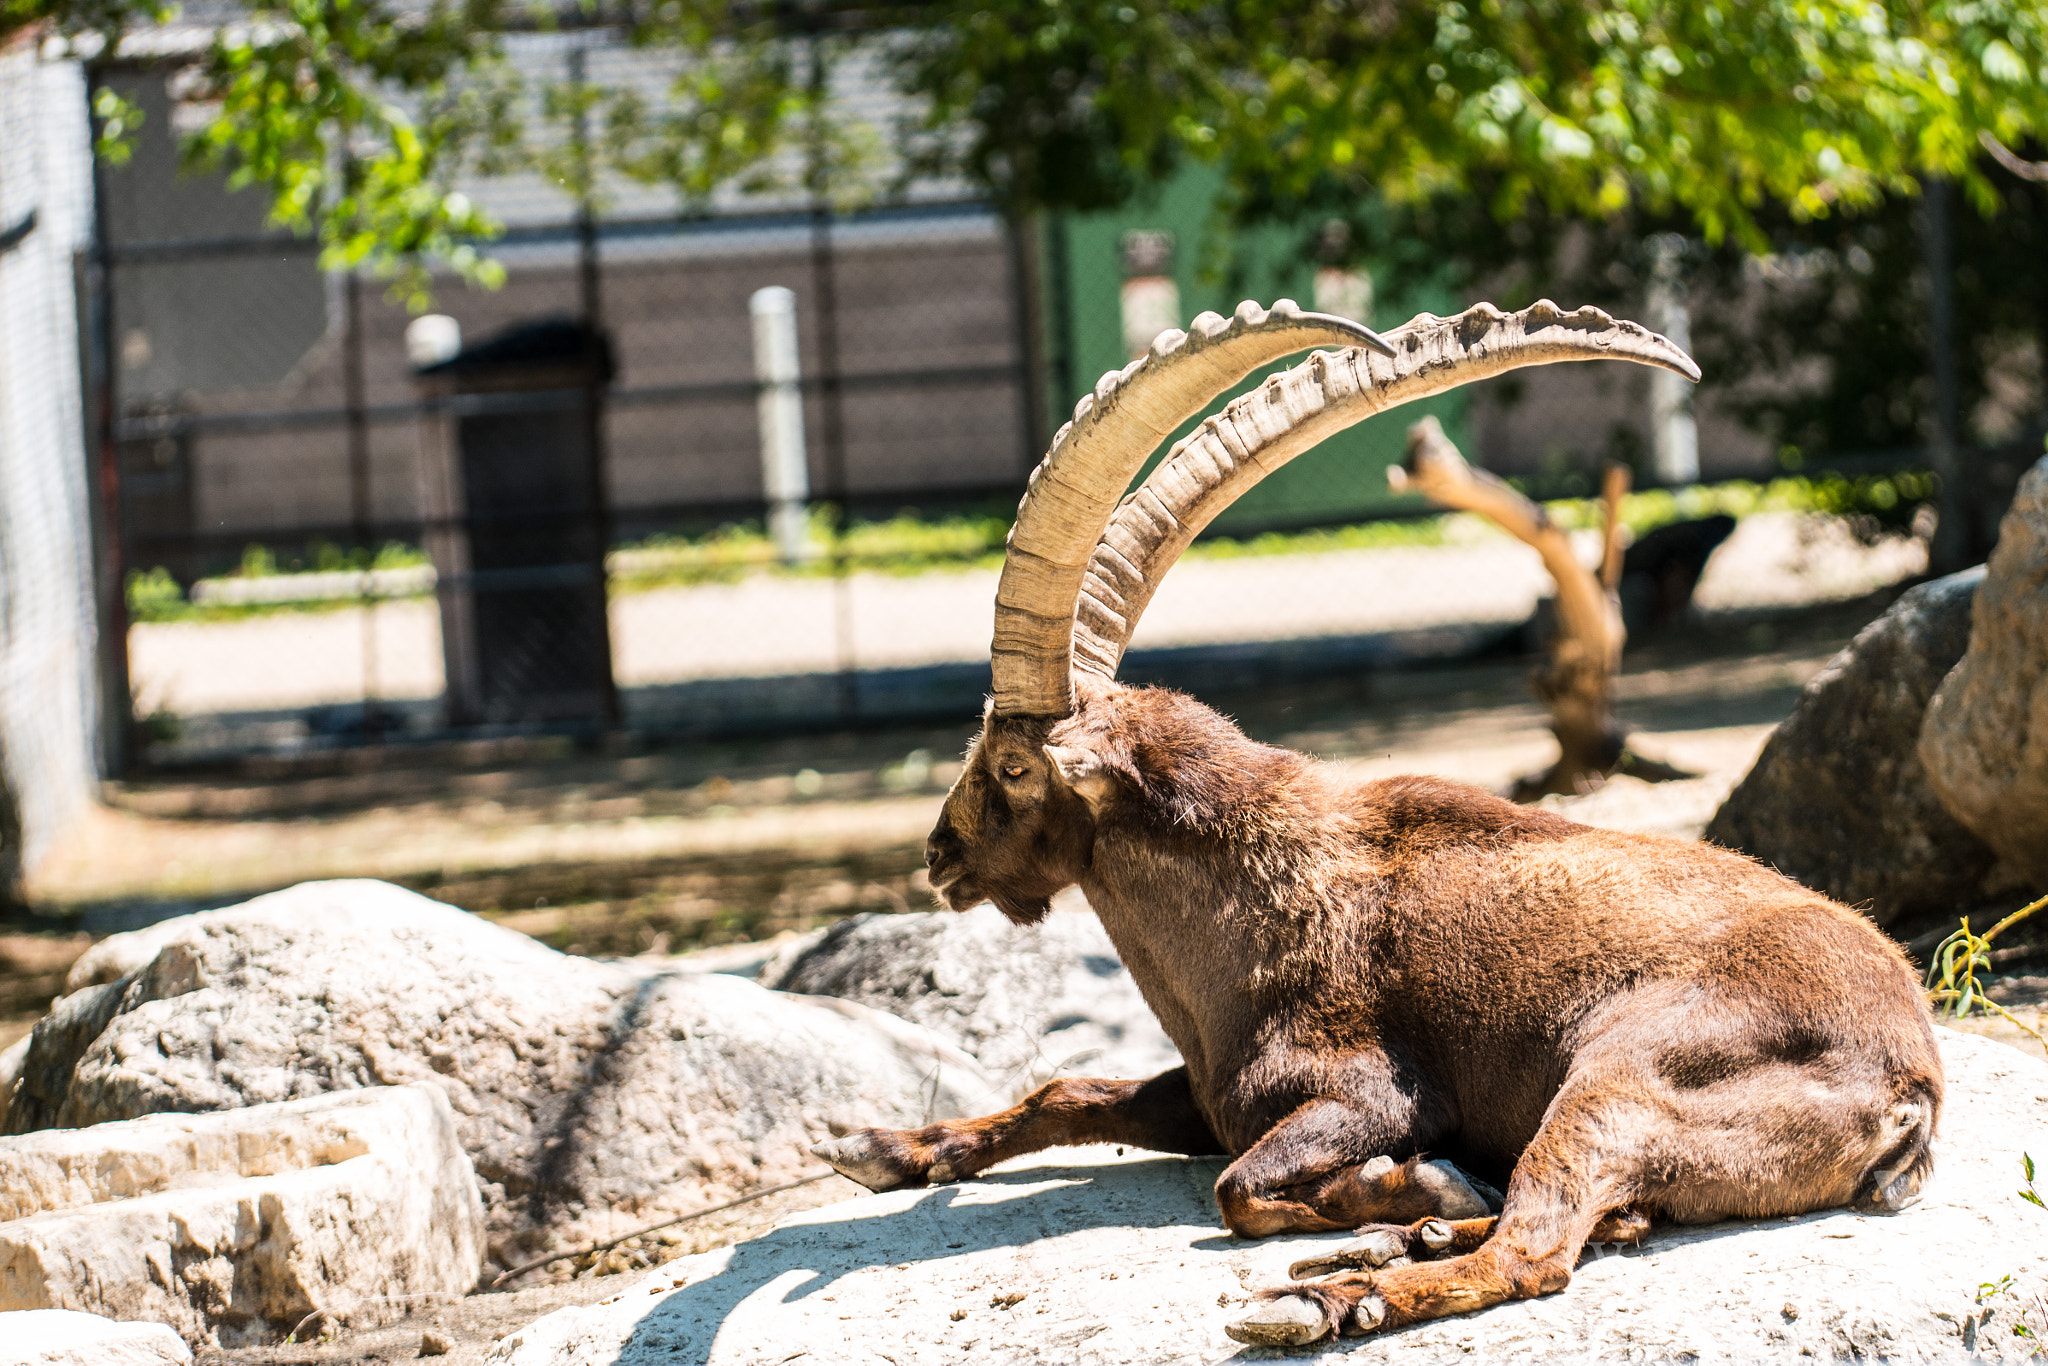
{"type": "Point", "coordinates": [1084, 771]}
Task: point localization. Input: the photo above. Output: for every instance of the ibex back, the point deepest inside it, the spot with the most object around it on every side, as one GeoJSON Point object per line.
{"type": "Point", "coordinates": [1377, 987]}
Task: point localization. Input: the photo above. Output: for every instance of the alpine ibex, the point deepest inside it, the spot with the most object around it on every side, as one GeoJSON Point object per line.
{"type": "Point", "coordinates": [1364, 975]}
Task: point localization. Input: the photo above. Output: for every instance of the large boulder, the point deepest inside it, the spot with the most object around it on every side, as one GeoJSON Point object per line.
{"type": "Point", "coordinates": [1985, 739]}
{"type": "Point", "coordinates": [1104, 1257]}
{"type": "Point", "coordinates": [245, 1224]}
{"type": "Point", "coordinates": [589, 1094]}
{"type": "Point", "coordinates": [1024, 1000]}
{"type": "Point", "coordinates": [1839, 798]}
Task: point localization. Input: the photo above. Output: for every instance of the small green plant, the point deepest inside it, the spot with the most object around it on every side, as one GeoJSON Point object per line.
{"type": "Point", "coordinates": [2030, 1195]}
{"type": "Point", "coordinates": [1885, 501]}
{"type": "Point", "coordinates": [1952, 985]}
{"type": "Point", "coordinates": [2027, 1319]}
{"type": "Point", "coordinates": [153, 595]}
{"type": "Point", "coordinates": [258, 562]}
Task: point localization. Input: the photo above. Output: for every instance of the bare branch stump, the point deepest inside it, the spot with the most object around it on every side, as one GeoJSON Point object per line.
{"type": "Point", "coordinates": [1576, 679]}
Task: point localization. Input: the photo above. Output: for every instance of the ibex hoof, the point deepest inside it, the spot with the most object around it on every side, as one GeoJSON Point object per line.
{"type": "Point", "coordinates": [1286, 1321]}
{"type": "Point", "coordinates": [1436, 1235]}
{"type": "Point", "coordinates": [1376, 1248]}
{"type": "Point", "coordinates": [1370, 1314]}
{"type": "Point", "coordinates": [859, 1157]}
{"type": "Point", "coordinates": [1458, 1196]}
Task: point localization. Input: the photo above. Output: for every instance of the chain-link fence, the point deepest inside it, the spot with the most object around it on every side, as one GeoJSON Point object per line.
{"type": "Point", "coordinates": [747, 467]}
{"type": "Point", "coordinates": [340, 523]}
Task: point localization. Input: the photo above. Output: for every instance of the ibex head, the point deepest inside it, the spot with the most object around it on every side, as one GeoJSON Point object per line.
{"type": "Point", "coordinates": [1084, 560]}
{"type": "Point", "coordinates": [1014, 829]}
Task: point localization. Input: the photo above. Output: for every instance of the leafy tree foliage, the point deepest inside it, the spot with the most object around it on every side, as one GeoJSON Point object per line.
{"type": "Point", "coordinates": [1727, 116]}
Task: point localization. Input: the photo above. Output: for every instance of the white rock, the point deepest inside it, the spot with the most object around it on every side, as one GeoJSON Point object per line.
{"type": "Point", "coordinates": [64, 1337]}
{"type": "Point", "coordinates": [1122, 1259]}
{"type": "Point", "coordinates": [238, 1225]}
{"type": "Point", "coordinates": [591, 1095]}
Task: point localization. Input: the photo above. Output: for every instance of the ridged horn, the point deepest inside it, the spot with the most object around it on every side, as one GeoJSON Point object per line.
{"type": "Point", "coordinates": [1093, 458]}
{"type": "Point", "coordinates": [1300, 407]}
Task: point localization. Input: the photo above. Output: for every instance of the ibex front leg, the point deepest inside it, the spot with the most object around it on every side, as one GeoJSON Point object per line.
{"type": "Point", "coordinates": [1158, 1114]}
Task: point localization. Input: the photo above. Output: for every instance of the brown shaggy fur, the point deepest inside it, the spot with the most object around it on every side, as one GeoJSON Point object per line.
{"type": "Point", "coordinates": [1614, 1025]}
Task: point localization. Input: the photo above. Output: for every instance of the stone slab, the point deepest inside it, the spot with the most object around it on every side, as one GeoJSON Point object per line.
{"type": "Point", "coordinates": [64, 1337]}
{"type": "Point", "coordinates": [1095, 1256]}
{"type": "Point", "coordinates": [237, 1225]}
{"type": "Point", "coordinates": [589, 1094]}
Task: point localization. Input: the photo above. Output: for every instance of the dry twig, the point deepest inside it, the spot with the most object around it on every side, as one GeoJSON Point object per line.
{"type": "Point", "coordinates": [594, 1248]}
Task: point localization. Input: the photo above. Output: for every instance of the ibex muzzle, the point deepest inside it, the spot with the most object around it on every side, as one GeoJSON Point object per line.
{"type": "Point", "coordinates": [1366, 979]}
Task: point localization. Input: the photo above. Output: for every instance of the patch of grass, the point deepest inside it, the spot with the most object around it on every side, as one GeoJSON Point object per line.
{"type": "Point", "coordinates": [910, 543]}
{"type": "Point", "coordinates": [155, 595]}
{"type": "Point", "coordinates": [1886, 502]}
{"type": "Point", "coordinates": [904, 544]}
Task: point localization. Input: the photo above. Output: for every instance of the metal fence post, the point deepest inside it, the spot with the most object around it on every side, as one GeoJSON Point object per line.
{"type": "Point", "coordinates": [117, 703]}
{"type": "Point", "coordinates": [832, 413]}
{"type": "Point", "coordinates": [590, 286]}
{"type": "Point", "coordinates": [1027, 282]}
{"type": "Point", "coordinates": [357, 419]}
{"type": "Point", "coordinates": [785, 464]}
{"type": "Point", "coordinates": [1674, 437]}
{"type": "Point", "coordinates": [1956, 538]}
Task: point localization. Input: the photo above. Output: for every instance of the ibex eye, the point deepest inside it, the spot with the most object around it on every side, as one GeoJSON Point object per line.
{"type": "Point", "coordinates": [1013, 770]}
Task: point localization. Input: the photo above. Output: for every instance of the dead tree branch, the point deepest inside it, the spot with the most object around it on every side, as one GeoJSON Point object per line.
{"type": "Point", "coordinates": [1576, 679]}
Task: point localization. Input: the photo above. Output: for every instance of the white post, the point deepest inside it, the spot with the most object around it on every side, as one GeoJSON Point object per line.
{"type": "Point", "coordinates": [1674, 438]}
{"type": "Point", "coordinates": [785, 469]}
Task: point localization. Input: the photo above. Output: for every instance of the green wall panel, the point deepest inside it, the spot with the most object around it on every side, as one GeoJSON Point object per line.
{"type": "Point", "coordinates": [1342, 480]}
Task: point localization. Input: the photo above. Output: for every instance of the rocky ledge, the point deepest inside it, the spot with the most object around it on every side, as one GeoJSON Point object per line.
{"type": "Point", "coordinates": [1101, 1256]}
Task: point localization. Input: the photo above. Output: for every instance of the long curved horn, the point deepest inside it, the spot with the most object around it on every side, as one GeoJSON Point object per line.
{"type": "Point", "coordinates": [1297, 409]}
{"type": "Point", "coordinates": [1092, 461]}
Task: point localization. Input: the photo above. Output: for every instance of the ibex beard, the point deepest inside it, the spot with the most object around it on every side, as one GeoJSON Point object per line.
{"type": "Point", "coordinates": [1389, 994]}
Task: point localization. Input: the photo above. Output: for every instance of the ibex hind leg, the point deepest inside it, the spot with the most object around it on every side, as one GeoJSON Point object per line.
{"type": "Point", "coordinates": [1605, 1157]}
{"type": "Point", "coordinates": [1578, 1169]}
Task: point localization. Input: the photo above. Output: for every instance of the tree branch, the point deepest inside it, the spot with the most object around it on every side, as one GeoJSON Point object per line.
{"type": "Point", "coordinates": [1577, 681]}
{"type": "Point", "coordinates": [2012, 161]}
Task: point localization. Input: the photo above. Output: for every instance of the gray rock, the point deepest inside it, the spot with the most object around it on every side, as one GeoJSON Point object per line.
{"type": "Point", "coordinates": [41, 1075]}
{"type": "Point", "coordinates": [1025, 1001]}
{"type": "Point", "coordinates": [65, 1337]}
{"type": "Point", "coordinates": [590, 1095]}
{"type": "Point", "coordinates": [1985, 739]}
{"type": "Point", "coordinates": [1839, 799]}
{"type": "Point", "coordinates": [235, 1227]}
{"type": "Point", "coordinates": [1084, 1256]}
